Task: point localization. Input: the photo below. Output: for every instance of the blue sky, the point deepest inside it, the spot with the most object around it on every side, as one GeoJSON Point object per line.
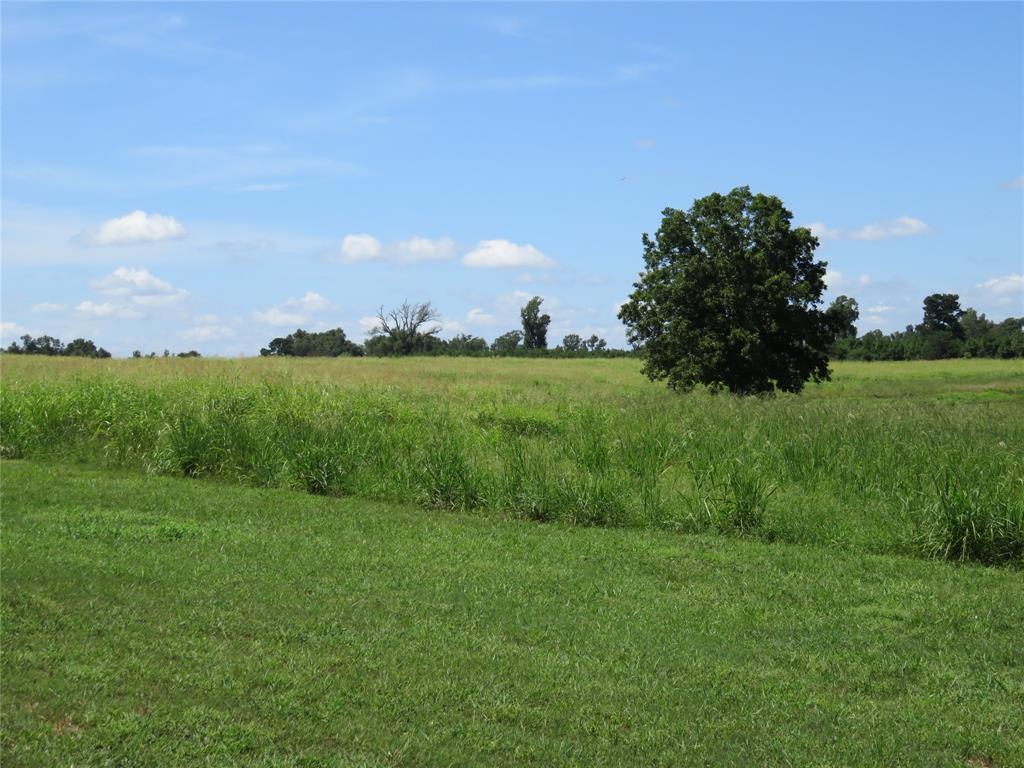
{"type": "Point", "coordinates": [211, 176]}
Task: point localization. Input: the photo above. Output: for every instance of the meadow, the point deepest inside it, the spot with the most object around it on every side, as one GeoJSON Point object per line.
{"type": "Point", "coordinates": [921, 458]}
{"type": "Point", "coordinates": [493, 562]}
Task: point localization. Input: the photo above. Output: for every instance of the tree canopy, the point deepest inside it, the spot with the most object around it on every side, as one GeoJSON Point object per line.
{"type": "Point", "coordinates": [302, 343]}
{"type": "Point", "coordinates": [729, 296]}
{"type": "Point", "coordinates": [535, 325]}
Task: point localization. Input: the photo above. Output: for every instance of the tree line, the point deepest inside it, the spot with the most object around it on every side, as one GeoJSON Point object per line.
{"type": "Point", "coordinates": [54, 347]}
{"type": "Point", "coordinates": [945, 331]}
{"type": "Point", "coordinates": [414, 328]}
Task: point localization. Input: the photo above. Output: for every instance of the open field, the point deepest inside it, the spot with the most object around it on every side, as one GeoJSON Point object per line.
{"type": "Point", "coordinates": [159, 621]}
{"type": "Point", "coordinates": [899, 458]}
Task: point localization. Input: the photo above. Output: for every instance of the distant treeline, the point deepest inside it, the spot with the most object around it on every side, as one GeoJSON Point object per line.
{"type": "Point", "coordinates": [334, 343]}
{"type": "Point", "coordinates": [412, 329]}
{"type": "Point", "coordinates": [49, 345]}
{"type": "Point", "coordinates": [946, 331]}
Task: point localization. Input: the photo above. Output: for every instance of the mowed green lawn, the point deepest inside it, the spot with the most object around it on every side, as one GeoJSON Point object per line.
{"type": "Point", "coordinates": [159, 621]}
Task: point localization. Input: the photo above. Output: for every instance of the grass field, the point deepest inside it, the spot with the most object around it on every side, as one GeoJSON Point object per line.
{"type": "Point", "coordinates": [898, 458]}
{"type": "Point", "coordinates": [337, 562]}
{"type": "Point", "coordinates": [152, 621]}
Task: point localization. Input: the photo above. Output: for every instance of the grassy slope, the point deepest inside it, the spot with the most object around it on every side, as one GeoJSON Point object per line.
{"type": "Point", "coordinates": [153, 621]}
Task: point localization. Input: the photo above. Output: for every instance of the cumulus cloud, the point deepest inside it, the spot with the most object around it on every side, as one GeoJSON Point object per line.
{"type": "Point", "coordinates": [108, 309]}
{"type": "Point", "coordinates": [502, 253]}
{"type": "Point", "coordinates": [139, 286]}
{"type": "Point", "coordinates": [310, 303]}
{"type": "Point", "coordinates": [138, 227]}
{"type": "Point", "coordinates": [356, 248]}
{"type": "Point", "coordinates": [360, 248]}
{"type": "Point", "coordinates": [904, 226]}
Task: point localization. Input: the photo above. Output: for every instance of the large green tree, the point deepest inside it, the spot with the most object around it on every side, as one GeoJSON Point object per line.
{"type": "Point", "coordinates": [729, 297]}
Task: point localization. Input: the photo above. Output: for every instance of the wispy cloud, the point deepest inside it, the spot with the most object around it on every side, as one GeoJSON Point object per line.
{"type": "Point", "coordinates": [295, 311]}
{"type": "Point", "coordinates": [1004, 285]}
{"type": "Point", "coordinates": [108, 309]}
{"type": "Point", "coordinates": [48, 307]}
{"type": "Point", "coordinates": [205, 333]}
{"type": "Point", "coordinates": [904, 226]}
{"type": "Point", "coordinates": [152, 34]}
{"type": "Point", "coordinates": [505, 26]}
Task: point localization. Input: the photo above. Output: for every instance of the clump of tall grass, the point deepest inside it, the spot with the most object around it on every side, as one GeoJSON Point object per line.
{"type": "Point", "coordinates": [853, 472]}
{"type": "Point", "coordinates": [732, 498]}
{"type": "Point", "coordinates": [970, 521]}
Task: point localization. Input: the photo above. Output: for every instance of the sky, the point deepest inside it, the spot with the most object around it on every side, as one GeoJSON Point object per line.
{"type": "Point", "coordinates": [211, 176]}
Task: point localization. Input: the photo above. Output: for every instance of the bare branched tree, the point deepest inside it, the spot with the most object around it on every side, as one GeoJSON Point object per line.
{"type": "Point", "coordinates": [408, 325]}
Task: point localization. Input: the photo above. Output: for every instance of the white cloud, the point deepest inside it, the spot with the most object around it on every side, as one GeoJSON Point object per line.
{"type": "Point", "coordinates": [139, 286]}
{"type": "Point", "coordinates": [423, 249]}
{"type": "Point", "coordinates": [1017, 183]}
{"type": "Point", "coordinates": [646, 143]}
{"type": "Point", "coordinates": [823, 231]}
{"type": "Point", "coordinates": [107, 309]}
{"type": "Point", "coordinates": [904, 226]}
{"type": "Point", "coordinates": [139, 227]}
{"type": "Point", "coordinates": [212, 332]}
{"type": "Point", "coordinates": [294, 311]}
{"type": "Point", "coordinates": [479, 316]}
{"type": "Point", "coordinates": [864, 279]}
{"type": "Point", "coordinates": [311, 303]}
{"type": "Point", "coordinates": [47, 306]}
{"type": "Point", "coordinates": [1002, 286]}
{"type": "Point", "coordinates": [502, 253]}
{"type": "Point", "coordinates": [360, 248]}
{"type": "Point", "coordinates": [879, 309]}
{"type": "Point", "coordinates": [834, 280]}
{"type": "Point", "coordinates": [368, 324]}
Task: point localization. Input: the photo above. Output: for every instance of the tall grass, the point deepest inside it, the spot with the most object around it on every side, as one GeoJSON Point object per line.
{"type": "Point", "coordinates": [929, 475]}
